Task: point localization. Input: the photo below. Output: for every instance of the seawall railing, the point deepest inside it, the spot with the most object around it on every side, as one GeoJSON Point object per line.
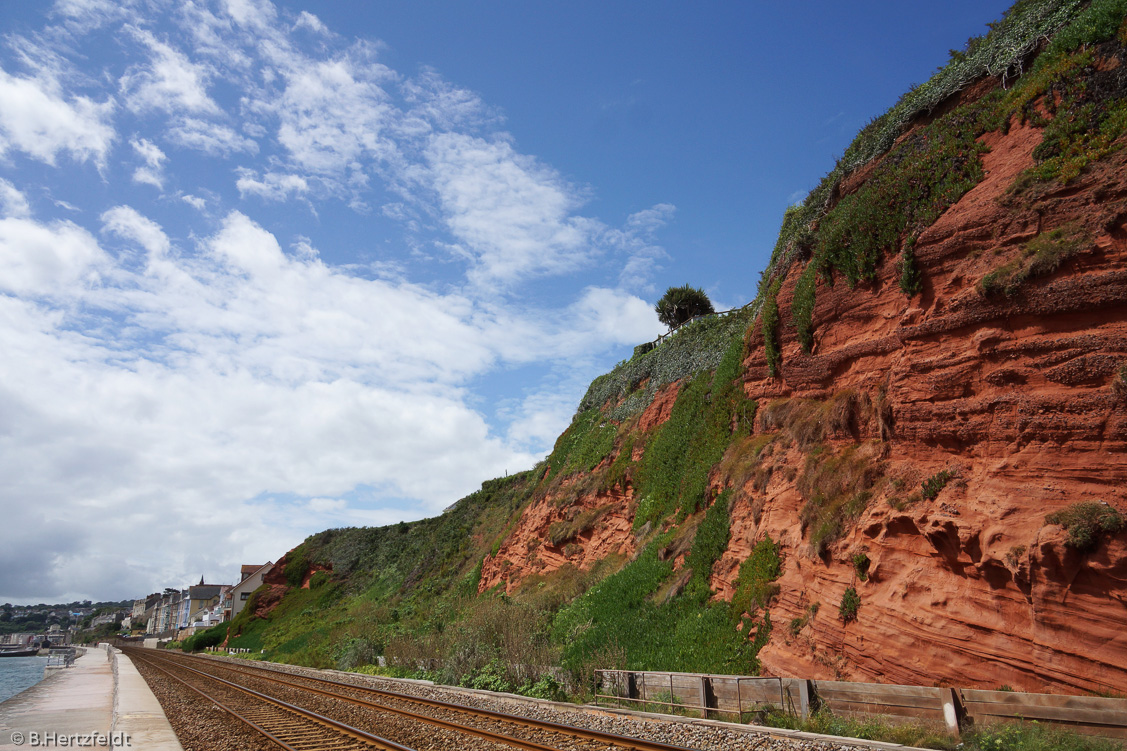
{"type": "Point", "coordinates": [645, 347]}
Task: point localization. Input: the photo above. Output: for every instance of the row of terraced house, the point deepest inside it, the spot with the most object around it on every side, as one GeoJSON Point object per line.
{"type": "Point", "coordinates": [179, 613]}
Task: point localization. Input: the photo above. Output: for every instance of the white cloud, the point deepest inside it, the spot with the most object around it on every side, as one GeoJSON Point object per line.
{"type": "Point", "coordinates": [205, 377]}
{"type": "Point", "coordinates": [211, 36]}
{"type": "Point", "coordinates": [194, 201]}
{"type": "Point", "coordinates": [126, 222]}
{"type": "Point", "coordinates": [244, 246]}
{"type": "Point", "coordinates": [306, 20]}
{"type": "Point", "coordinates": [272, 187]}
{"type": "Point", "coordinates": [85, 15]}
{"type": "Point", "coordinates": [254, 14]}
{"type": "Point", "coordinates": [256, 373]}
{"type": "Point", "coordinates": [47, 260]}
{"type": "Point", "coordinates": [36, 119]}
{"type": "Point", "coordinates": [168, 82]}
{"type": "Point", "coordinates": [214, 139]}
{"type": "Point", "coordinates": [154, 158]}
{"type": "Point", "coordinates": [539, 418]}
{"type": "Point", "coordinates": [512, 215]}
{"type": "Point", "coordinates": [324, 505]}
{"type": "Point", "coordinates": [13, 202]}
{"type": "Point", "coordinates": [650, 220]}
{"type": "Point", "coordinates": [435, 103]}
{"type": "Point", "coordinates": [637, 242]}
{"type": "Point", "coordinates": [332, 113]}
{"type": "Point", "coordinates": [614, 316]}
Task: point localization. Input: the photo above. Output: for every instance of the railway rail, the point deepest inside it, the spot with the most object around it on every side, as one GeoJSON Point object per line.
{"type": "Point", "coordinates": [491, 726]}
{"type": "Point", "coordinates": [280, 723]}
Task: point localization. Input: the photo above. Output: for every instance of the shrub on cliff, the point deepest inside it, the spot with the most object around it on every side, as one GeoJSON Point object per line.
{"type": "Point", "coordinates": [861, 565]}
{"type": "Point", "coordinates": [755, 584]}
{"type": "Point", "coordinates": [1088, 523]}
{"type": "Point", "coordinates": [1119, 385]}
{"type": "Point", "coordinates": [850, 604]}
{"type": "Point", "coordinates": [936, 483]}
{"type": "Point", "coordinates": [911, 279]}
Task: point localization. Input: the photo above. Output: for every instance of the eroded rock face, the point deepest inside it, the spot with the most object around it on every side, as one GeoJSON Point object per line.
{"type": "Point", "coordinates": [1012, 393]}
{"type": "Point", "coordinates": [573, 525]}
{"type": "Point", "coordinates": [567, 527]}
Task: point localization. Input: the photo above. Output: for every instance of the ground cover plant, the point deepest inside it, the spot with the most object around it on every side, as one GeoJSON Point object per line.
{"type": "Point", "coordinates": [1018, 736]}
{"type": "Point", "coordinates": [837, 488]}
{"type": "Point", "coordinates": [695, 347]}
{"type": "Point", "coordinates": [755, 584]}
{"type": "Point", "coordinates": [683, 633]}
{"type": "Point", "coordinates": [585, 443]}
{"type": "Point", "coordinates": [1041, 256]}
{"type": "Point", "coordinates": [674, 470]}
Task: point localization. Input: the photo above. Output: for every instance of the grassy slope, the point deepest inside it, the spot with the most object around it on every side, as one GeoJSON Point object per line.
{"type": "Point", "coordinates": [410, 591]}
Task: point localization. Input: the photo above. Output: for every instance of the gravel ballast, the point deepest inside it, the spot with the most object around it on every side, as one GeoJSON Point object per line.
{"type": "Point", "coordinates": [705, 735]}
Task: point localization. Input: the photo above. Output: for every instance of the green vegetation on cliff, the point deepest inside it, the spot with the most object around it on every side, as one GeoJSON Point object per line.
{"type": "Point", "coordinates": [692, 349]}
{"type": "Point", "coordinates": [920, 167]}
{"type": "Point", "coordinates": [409, 592]}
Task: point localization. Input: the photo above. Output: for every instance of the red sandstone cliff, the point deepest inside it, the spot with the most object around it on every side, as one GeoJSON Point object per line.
{"type": "Point", "coordinates": [1013, 394]}
{"type": "Point", "coordinates": [973, 587]}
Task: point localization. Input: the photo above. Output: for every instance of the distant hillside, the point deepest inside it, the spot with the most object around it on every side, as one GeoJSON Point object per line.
{"type": "Point", "coordinates": [906, 461]}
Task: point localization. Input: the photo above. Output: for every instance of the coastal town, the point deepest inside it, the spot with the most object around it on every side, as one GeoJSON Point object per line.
{"type": "Point", "coordinates": [171, 615]}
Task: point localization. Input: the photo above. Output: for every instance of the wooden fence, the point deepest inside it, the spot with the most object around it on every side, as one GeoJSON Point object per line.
{"type": "Point", "coordinates": [1091, 715]}
{"type": "Point", "coordinates": [897, 703]}
{"type": "Point", "coordinates": [642, 349]}
{"type": "Point", "coordinates": [732, 697]}
{"type": "Point", "coordinates": [728, 696]}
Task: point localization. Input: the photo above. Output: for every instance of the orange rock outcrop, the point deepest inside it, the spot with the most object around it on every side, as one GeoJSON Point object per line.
{"type": "Point", "coordinates": [562, 529]}
{"type": "Point", "coordinates": [1013, 394]}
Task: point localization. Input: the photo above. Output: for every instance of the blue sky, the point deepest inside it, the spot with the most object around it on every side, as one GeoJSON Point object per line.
{"type": "Point", "coordinates": [274, 268]}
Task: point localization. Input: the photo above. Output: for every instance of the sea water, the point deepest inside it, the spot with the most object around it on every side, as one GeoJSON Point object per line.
{"type": "Point", "coordinates": [20, 673]}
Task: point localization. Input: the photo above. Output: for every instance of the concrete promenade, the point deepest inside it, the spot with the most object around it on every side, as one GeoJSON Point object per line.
{"type": "Point", "coordinates": [99, 702]}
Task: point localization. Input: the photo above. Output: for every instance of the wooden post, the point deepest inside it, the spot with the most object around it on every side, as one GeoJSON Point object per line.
{"type": "Point", "coordinates": [803, 699]}
{"type": "Point", "coordinates": [708, 697]}
{"type": "Point", "coordinates": [953, 711]}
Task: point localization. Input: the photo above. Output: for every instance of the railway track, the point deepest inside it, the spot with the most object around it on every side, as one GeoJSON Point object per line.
{"type": "Point", "coordinates": [451, 719]}
{"type": "Point", "coordinates": [280, 723]}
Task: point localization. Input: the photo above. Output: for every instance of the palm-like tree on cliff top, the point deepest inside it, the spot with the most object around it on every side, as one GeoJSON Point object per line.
{"type": "Point", "coordinates": [681, 304]}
